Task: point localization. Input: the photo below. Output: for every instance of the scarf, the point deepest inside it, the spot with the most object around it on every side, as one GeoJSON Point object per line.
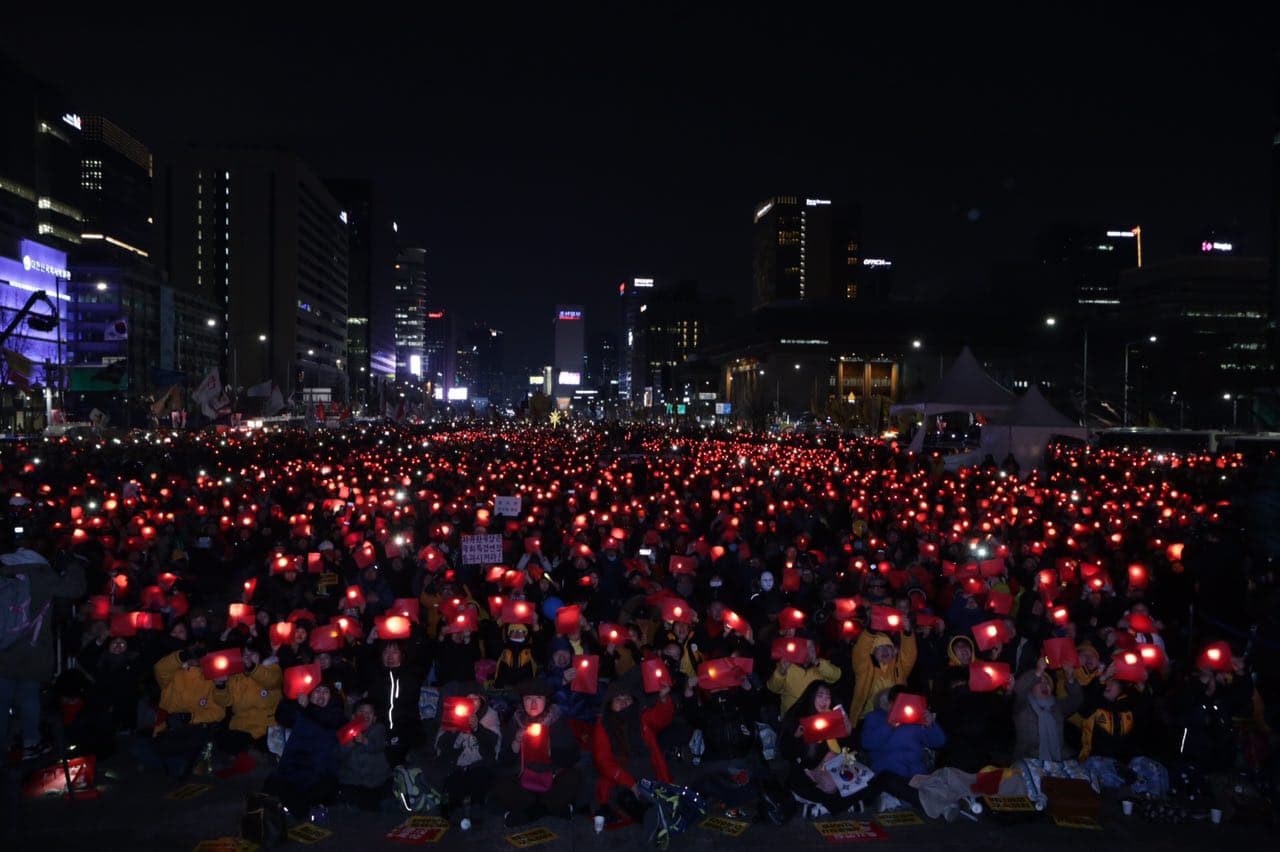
{"type": "Point", "coordinates": [1050, 730]}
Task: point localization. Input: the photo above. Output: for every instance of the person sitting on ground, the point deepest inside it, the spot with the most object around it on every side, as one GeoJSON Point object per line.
{"type": "Point", "coordinates": [790, 681]}
{"type": "Point", "coordinates": [252, 698]}
{"type": "Point", "coordinates": [188, 717]}
{"type": "Point", "coordinates": [547, 754]}
{"type": "Point", "coordinates": [1038, 715]}
{"type": "Point", "coordinates": [809, 764]}
{"type": "Point", "coordinates": [471, 755]}
{"type": "Point", "coordinates": [897, 751]}
{"type": "Point", "coordinates": [879, 664]}
{"type": "Point", "coordinates": [364, 776]}
{"type": "Point", "coordinates": [306, 779]}
{"type": "Point", "coordinates": [624, 746]}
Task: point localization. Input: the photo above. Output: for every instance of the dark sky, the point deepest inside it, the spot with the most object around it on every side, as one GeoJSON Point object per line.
{"type": "Point", "coordinates": [542, 156]}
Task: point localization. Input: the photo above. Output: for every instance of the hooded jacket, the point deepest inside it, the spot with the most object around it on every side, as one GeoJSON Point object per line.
{"type": "Point", "coordinates": [871, 678]}
{"type": "Point", "coordinates": [612, 764]}
{"type": "Point", "coordinates": [186, 690]}
{"type": "Point", "coordinates": [791, 685]}
{"type": "Point", "coordinates": [252, 698]}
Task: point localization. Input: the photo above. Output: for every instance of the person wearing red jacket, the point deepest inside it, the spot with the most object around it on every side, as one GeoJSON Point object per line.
{"type": "Point", "coordinates": [619, 740]}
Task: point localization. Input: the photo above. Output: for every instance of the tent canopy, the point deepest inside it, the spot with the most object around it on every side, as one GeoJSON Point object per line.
{"type": "Point", "coordinates": [965, 387]}
{"type": "Point", "coordinates": [1026, 429]}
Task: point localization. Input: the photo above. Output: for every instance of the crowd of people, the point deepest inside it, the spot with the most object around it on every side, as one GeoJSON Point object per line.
{"type": "Point", "coordinates": [779, 624]}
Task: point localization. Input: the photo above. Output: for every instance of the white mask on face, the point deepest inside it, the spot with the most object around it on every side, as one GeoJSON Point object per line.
{"type": "Point", "coordinates": [766, 582]}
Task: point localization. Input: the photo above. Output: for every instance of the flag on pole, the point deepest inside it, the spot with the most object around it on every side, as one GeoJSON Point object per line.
{"type": "Point", "coordinates": [261, 389]}
{"type": "Point", "coordinates": [208, 388]}
{"type": "Point", "coordinates": [275, 402]}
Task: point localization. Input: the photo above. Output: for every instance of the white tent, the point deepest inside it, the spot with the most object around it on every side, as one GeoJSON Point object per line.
{"type": "Point", "coordinates": [1026, 429]}
{"type": "Point", "coordinates": [965, 387]}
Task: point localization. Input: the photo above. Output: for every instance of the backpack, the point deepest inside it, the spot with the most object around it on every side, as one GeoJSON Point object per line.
{"type": "Point", "coordinates": [17, 622]}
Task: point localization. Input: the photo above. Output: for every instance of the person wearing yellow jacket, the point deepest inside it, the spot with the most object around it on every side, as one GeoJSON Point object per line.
{"type": "Point", "coordinates": [188, 715]}
{"type": "Point", "coordinates": [790, 681]}
{"type": "Point", "coordinates": [252, 698]}
{"type": "Point", "coordinates": [879, 664]}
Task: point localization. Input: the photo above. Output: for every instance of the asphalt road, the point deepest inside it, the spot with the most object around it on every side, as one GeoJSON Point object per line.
{"type": "Point", "coordinates": [133, 813]}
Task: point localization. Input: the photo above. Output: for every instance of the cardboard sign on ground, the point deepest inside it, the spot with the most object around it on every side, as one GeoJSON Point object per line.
{"type": "Point", "coordinates": [419, 831]}
{"type": "Point", "coordinates": [850, 831]}
{"type": "Point", "coordinates": [531, 837]}
{"type": "Point", "coordinates": [188, 791]}
{"type": "Point", "coordinates": [1009, 804]}
{"type": "Point", "coordinates": [724, 825]}
{"type": "Point", "coordinates": [308, 833]}
{"type": "Point", "coordinates": [899, 818]}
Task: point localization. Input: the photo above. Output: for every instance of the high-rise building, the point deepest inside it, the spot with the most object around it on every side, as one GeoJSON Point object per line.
{"type": "Point", "coordinates": [487, 349]}
{"type": "Point", "coordinates": [1208, 315]}
{"type": "Point", "coordinates": [40, 140]}
{"type": "Point", "coordinates": [806, 250]}
{"type": "Point", "coordinates": [439, 352]}
{"type": "Point", "coordinates": [631, 357]}
{"type": "Point", "coordinates": [1084, 262]}
{"type": "Point", "coordinates": [409, 295]}
{"type": "Point", "coordinates": [570, 343]}
{"type": "Point", "coordinates": [602, 364]}
{"type": "Point", "coordinates": [116, 172]}
{"type": "Point", "coordinates": [257, 233]}
{"type": "Point", "coordinates": [356, 198]}
{"type": "Point", "coordinates": [673, 324]}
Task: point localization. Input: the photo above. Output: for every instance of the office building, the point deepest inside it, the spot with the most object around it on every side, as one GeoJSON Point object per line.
{"type": "Point", "coordinates": [409, 303]}
{"type": "Point", "coordinates": [602, 364]}
{"type": "Point", "coordinates": [1209, 315]}
{"type": "Point", "coordinates": [439, 350]}
{"type": "Point", "coordinates": [116, 172]}
{"type": "Point", "coordinates": [672, 323]}
{"type": "Point", "coordinates": [567, 363]}
{"type": "Point", "coordinates": [487, 351]}
{"type": "Point", "coordinates": [356, 200]}
{"type": "Point", "coordinates": [40, 140]}
{"type": "Point", "coordinates": [805, 250]}
{"type": "Point", "coordinates": [255, 232]}
{"type": "Point", "coordinates": [631, 358]}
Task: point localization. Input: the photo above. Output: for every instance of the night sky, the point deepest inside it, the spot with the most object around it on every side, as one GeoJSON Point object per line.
{"type": "Point", "coordinates": [542, 156]}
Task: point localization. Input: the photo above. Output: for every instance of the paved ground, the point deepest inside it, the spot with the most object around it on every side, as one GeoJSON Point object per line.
{"type": "Point", "coordinates": [132, 813]}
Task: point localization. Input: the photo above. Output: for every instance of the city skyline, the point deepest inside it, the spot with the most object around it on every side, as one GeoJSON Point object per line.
{"type": "Point", "coordinates": [544, 161]}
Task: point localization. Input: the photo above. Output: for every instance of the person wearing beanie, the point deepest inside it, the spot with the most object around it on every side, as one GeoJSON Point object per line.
{"type": "Point", "coordinates": [547, 780]}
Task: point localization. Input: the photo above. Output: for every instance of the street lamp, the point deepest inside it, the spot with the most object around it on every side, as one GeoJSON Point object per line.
{"type": "Point", "coordinates": [1052, 321]}
{"type": "Point", "coordinates": [1125, 408]}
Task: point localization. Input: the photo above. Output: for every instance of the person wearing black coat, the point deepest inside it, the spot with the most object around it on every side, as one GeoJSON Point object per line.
{"type": "Point", "coordinates": [392, 687]}
{"type": "Point", "coordinates": [307, 775]}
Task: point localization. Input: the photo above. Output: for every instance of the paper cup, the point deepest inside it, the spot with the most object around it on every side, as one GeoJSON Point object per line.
{"type": "Point", "coordinates": [1127, 807]}
{"type": "Point", "coordinates": [599, 823]}
{"type": "Point", "coordinates": [1215, 815]}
